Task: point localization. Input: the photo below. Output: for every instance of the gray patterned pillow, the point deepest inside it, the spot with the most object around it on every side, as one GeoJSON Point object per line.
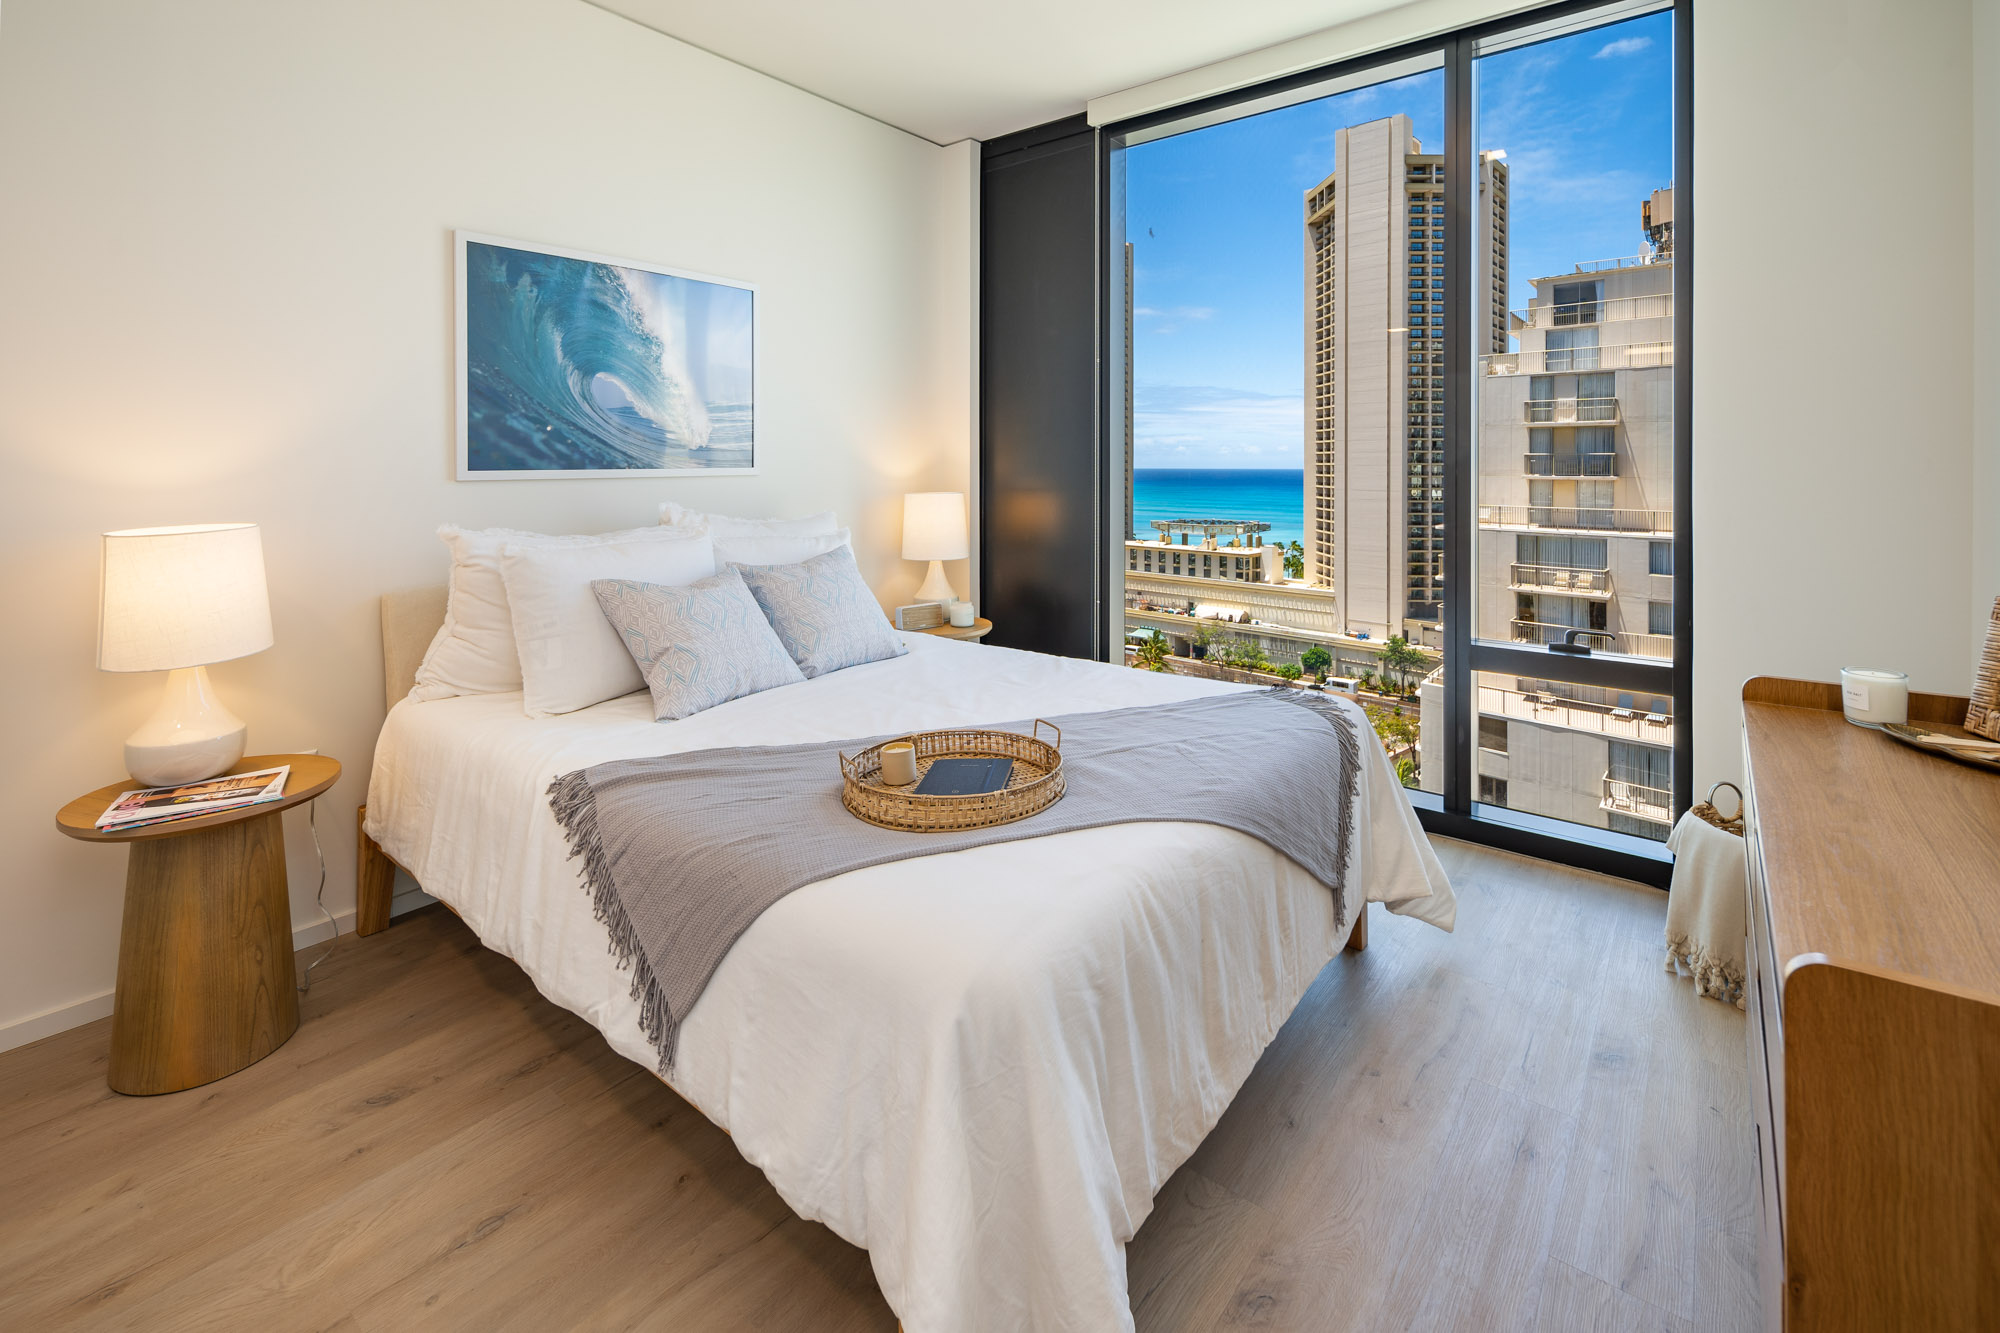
{"type": "Point", "coordinates": [698, 645]}
{"type": "Point", "coordinates": [823, 612]}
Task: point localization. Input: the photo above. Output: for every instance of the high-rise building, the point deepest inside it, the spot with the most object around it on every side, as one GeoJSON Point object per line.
{"type": "Point", "coordinates": [1375, 265]}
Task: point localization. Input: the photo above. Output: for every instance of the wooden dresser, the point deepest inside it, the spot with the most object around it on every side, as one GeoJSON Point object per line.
{"type": "Point", "coordinates": [1874, 1018]}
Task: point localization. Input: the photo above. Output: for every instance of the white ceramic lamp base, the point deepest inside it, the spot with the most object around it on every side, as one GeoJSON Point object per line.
{"type": "Point", "coordinates": [936, 587]}
{"type": "Point", "coordinates": [190, 736]}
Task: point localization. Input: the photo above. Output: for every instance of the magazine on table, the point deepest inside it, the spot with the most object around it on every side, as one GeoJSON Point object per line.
{"type": "Point", "coordinates": [154, 805]}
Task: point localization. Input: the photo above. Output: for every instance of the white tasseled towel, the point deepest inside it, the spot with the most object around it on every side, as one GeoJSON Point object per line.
{"type": "Point", "coordinates": [1705, 908]}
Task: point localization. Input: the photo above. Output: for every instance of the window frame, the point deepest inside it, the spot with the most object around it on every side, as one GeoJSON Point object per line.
{"type": "Point", "coordinates": [1456, 812]}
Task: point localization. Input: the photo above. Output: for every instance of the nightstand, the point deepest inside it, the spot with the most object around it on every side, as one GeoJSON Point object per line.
{"type": "Point", "coordinates": [978, 629]}
{"type": "Point", "coordinates": [205, 980]}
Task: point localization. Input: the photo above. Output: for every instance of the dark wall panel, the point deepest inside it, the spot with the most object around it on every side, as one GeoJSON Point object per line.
{"type": "Point", "coordinates": [1039, 454]}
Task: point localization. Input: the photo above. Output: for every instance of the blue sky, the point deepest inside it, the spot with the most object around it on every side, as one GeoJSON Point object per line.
{"type": "Point", "coordinates": [1214, 217]}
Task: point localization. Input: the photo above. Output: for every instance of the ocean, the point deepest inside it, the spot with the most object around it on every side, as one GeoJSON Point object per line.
{"type": "Point", "coordinates": [1274, 495]}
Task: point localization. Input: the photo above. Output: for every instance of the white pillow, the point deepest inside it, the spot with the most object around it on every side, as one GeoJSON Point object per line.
{"type": "Point", "coordinates": [473, 651]}
{"type": "Point", "coordinates": [775, 550]}
{"type": "Point", "coordinates": [570, 655]}
{"type": "Point", "coordinates": [727, 525]}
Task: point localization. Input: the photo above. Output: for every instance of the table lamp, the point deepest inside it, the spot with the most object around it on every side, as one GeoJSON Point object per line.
{"type": "Point", "coordinates": [174, 600]}
{"type": "Point", "coordinates": [934, 529]}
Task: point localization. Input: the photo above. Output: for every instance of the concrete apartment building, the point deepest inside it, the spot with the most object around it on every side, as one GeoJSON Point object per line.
{"type": "Point", "coordinates": [1375, 265]}
{"type": "Point", "coordinates": [1575, 453]}
{"type": "Point", "coordinates": [1576, 462]}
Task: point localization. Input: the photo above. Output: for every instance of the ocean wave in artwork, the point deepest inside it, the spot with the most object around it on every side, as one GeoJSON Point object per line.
{"type": "Point", "coordinates": [581, 365]}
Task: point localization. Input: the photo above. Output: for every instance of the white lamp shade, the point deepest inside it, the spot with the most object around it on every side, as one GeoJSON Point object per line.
{"type": "Point", "coordinates": [182, 597]}
{"type": "Point", "coordinates": [934, 526]}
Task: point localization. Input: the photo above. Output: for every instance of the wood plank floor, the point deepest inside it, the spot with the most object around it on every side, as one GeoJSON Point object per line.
{"type": "Point", "coordinates": [1524, 1125]}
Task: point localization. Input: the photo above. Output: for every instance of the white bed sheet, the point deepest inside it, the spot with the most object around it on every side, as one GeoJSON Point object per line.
{"type": "Point", "coordinates": [979, 1066]}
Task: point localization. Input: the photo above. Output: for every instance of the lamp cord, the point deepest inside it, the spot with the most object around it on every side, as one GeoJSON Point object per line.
{"type": "Point", "coordinates": [319, 899]}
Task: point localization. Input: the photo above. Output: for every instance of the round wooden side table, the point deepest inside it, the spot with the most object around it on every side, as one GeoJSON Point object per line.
{"type": "Point", "coordinates": [205, 982]}
{"type": "Point", "coordinates": [978, 629]}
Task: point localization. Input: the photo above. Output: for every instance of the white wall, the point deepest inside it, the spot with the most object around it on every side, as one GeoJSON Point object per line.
{"type": "Point", "coordinates": [1985, 307]}
{"type": "Point", "coordinates": [1834, 522]}
{"type": "Point", "coordinates": [226, 243]}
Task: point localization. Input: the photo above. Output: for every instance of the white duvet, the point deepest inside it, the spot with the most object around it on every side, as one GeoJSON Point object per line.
{"type": "Point", "coordinates": [979, 1066]}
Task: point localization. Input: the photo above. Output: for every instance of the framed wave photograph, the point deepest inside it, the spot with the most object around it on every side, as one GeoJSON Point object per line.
{"type": "Point", "coordinates": [573, 364]}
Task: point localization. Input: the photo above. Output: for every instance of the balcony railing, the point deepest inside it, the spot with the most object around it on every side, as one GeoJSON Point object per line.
{"type": "Point", "coordinates": [1630, 645]}
{"type": "Point", "coordinates": [1641, 802]}
{"type": "Point", "coordinates": [1561, 579]}
{"type": "Point", "coordinates": [1582, 314]}
{"type": "Point", "coordinates": [1660, 521]}
{"type": "Point", "coordinates": [1558, 360]}
{"type": "Point", "coordinates": [1575, 715]}
{"type": "Point", "coordinates": [1645, 260]}
{"type": "Point", "coordinates": [1570, 465]}
{"type": "Point", "coordinates": [1569, 411]}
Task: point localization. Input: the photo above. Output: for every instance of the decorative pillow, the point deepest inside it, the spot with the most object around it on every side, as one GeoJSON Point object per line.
{"type": "Point", "coordinates": [699, 644]}
{"type": "Point", "coordinates": [823, 612]}
{"type": "Point", "coordinates": [775, 549]}
{"type": "Point", "coordinates": [473, 651]}
{"type": "Point", "coordinates": [570, 658]}
{"type": "Point", "coordinates": [722, 526]}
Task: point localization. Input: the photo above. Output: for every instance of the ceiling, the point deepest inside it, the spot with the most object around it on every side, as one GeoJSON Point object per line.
{"type": "Point", "coordinates": [949, 71]}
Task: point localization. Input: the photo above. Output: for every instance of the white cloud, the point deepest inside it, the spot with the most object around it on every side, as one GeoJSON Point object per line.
{"type": "Point", "coordinates": [1624, 46]}
{"type": "Point", "coordinates": [1172, 318]}
{"type": "Point", "coordinates": [1178, 425]}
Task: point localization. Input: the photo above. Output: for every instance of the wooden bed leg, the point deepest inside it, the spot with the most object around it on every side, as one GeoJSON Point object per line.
{"type": "Point", "coordinates": [374, 880]}
{"type": "Point", "coordinates": [1357, 939]}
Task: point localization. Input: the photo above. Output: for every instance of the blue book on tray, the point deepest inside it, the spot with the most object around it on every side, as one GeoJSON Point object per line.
{"type": "Point", "coordinates": [965, 777]}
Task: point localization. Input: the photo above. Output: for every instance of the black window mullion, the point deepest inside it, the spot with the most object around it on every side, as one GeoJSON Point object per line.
{"type": "Point", "coordinates": [1461, 197]}
{"type": "Point", "coordinates": [1683, 406]}
{"type": "Point", "coordinates": [1616, 673]}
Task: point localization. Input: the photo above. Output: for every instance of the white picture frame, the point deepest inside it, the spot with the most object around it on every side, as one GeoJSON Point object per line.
{"type": "Point", "coordinates": [693, 394]}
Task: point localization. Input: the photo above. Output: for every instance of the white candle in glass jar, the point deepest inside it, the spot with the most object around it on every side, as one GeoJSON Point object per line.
{"type": "Point", "coordinates": [963, 614]}
{"type": "Point", "coordinates": [1874, 698]}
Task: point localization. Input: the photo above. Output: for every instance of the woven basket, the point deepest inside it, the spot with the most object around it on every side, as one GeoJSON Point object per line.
{"type": "Point", "coordinates": [1035, 785]}
{"type": "Point", "coordinates": [1706, 811]}
{"type": "Point", "coordinates": [1982, 715]}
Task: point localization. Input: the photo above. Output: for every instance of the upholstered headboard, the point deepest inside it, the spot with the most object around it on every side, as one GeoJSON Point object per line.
{"type": "Point", "coordinates": [410, 620]}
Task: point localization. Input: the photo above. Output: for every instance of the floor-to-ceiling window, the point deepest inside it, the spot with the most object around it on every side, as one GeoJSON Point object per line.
{"type": "Point", "coordinates": [1403, 362]}
{"type": "Point", "coordinates": [1572, 457]}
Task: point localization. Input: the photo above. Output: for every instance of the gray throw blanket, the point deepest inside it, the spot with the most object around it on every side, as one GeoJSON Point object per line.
{"type": "Point", "coordinates": [682, 852]}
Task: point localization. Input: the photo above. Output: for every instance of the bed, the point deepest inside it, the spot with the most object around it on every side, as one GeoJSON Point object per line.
{"type": "Point", "coordinates": [979, 1066]}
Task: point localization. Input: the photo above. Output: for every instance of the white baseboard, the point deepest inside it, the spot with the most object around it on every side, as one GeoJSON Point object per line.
{"type": "Point", "coordinates": [93, 1007]}
{"type": "Point", "coordinates": [51, 1021]}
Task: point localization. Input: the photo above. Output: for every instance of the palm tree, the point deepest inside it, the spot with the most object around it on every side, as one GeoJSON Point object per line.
{"type": "Point", "coordinates": [1152, 652]}
{"type": "Point", "coordinates": [1295, 561]}
{"type": "Point", "coordinates": [1399, 656]}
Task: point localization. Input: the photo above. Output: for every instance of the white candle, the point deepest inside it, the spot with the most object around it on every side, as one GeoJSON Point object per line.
{"type": "Point", "coordinates": [899, 763]}
{"type": "Point", "coordinates": [1873, 698]}
{"type": "Point", "coordinates": [962, 614]}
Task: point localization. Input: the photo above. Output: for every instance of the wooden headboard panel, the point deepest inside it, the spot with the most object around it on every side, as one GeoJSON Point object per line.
{"type": "Point", "coordinates": [410, 620]}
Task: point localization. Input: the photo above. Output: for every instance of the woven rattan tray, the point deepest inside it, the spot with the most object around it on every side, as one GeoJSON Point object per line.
{"type": "Point", "coordinates": [1036, 784]}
